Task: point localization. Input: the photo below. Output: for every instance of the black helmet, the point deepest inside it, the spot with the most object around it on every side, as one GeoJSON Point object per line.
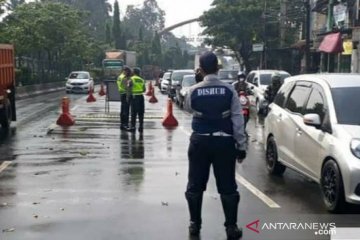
{"type": "Point", "coordinates": [137, 71]}
{"type": "Point", "coordinates": [241, 74]}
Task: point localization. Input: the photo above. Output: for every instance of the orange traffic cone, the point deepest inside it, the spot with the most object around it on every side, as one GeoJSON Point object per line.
{"type": "Point", "coordinates": [169, 120]}
{"type": "Point", "coordinates": [65, 118]}
{"type": "Point", "coordinates": [153, 99]}
{"type": "Point", "coordinates": [91, 97]}
{"type": "Point", "coordinates": [102, 90]}
{"type": "Point", "coordinates": [148, 93]}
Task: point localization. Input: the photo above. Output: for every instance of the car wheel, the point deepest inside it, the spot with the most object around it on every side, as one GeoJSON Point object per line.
{"type": "Point", "coordinates": [273, 166]}
{"type": "Point", "coordinates": [332, 187]}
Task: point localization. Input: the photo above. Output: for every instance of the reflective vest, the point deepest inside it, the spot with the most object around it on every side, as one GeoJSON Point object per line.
{"type": "Point", "coordinates": [138, 85]}
{"type": "Point", "coordinates": [212, 109]}
{"type": "Point", "coordinates": [121, 83]}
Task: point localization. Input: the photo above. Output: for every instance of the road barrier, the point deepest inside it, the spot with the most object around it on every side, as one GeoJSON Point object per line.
{"type": "Point", "coordinates": [150, 88]}
{"type": "Point", "coordinates": [65, 118]}
{"type": "Point", "coordinates": [169, 120]}
{"type": "Point", "coordinates": [102, 90]}
{"type": "Point", "coordinates": [153, 99]}
{"type": "Point", "coordinates": [91, 97]}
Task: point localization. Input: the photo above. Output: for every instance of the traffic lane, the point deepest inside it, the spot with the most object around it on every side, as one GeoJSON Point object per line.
{"type": "Point", "coordinates": [78, 178]}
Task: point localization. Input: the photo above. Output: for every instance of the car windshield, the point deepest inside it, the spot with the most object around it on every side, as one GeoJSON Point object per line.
{"type": "Point", "coordinates": [188, 81]}
{"type": "Point", "coordinates": [178, 76]}
{"type": "Point", "coordinates": [347, 105]}
{"type": "Point", "coordinates": [265, 79]}
{"type": "Point", "coordinates": [79, 76]}
{"type": "Point", "coordinates": [232, 75]}
{"type": "Point", "coordinates": [167, 76]}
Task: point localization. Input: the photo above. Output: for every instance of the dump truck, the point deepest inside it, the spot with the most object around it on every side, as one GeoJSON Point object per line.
{"type": "Point", "coordinates": [7, 86]}
{"type": "Point", "coordinates": [114, 62]}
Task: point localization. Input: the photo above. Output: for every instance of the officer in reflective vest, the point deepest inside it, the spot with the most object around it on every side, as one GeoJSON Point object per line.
{"type": "Point", "coordinates": [137, 86]}
{"type": "Point", "coordinates": [218, 139]}
{"type": "Point", "coordinates": [122, 84]}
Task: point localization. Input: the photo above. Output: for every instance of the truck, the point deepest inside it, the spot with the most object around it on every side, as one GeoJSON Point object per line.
{"type": "Point", "coordinates": [7, 86]}
{"type": "Point", "coordinates": [114, 62]}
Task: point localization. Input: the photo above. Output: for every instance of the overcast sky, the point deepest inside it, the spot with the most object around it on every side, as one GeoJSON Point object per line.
{"type": "Point", "coordinates": [176, 11]}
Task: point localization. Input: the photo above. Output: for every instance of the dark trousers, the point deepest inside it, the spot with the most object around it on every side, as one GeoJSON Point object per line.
{"type": "Point", "coordinates": [137, 109]}
{"type": "Point", "coordinates": [219, 152]}
{"type": "Point", "coordinates": [125, 109]}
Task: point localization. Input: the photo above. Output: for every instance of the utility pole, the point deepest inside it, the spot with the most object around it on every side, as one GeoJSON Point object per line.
{"type": "Point", "coordinates": [307, 40]}
{"type": "Point", "coordinates": [264, 58]}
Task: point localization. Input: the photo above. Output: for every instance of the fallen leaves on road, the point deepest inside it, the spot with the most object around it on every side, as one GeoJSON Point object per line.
{"type": "Point", "coordinates": [83, 153]}
{"type": "Point", "coordinates": [164, 203]}
{"type": "Point", "coordinates": [36, 203]}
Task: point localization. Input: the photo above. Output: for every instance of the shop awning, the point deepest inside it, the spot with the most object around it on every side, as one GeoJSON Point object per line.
{"type": "Point", "coordinates": [332, 43]}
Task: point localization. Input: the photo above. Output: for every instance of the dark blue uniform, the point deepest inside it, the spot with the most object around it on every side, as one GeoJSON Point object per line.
{"type": "Point", "coordinates": [218, 133]}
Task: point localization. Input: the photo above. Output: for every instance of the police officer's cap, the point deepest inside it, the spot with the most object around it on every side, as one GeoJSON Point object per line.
{"type": "Point", "coordinates": [209, 62]}
{"type": "Point", "coordinates": [127, 69]}
{"type": "Point", "coordinates": [137, 71]}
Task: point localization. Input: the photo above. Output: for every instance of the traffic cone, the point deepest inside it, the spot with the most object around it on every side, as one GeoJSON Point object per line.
{"type": "Point", "coordinates": [102, 90]}
{"type": "Point", "coordinates": [153, 99]}
{"type": "Point", "coordinates": [65, 118]}
{"type": "Point", "coordinates": [169, 120]}
{"type": "Point", "coordinates": [150, 87]}
{"type": "Point", "coordinates": [91, 97]}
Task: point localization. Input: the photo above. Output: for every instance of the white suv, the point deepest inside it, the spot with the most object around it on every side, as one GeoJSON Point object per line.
{"type": "Point", "coordinates": [313, 127]}
{"type": "Point", "coordinates": [258, 80]}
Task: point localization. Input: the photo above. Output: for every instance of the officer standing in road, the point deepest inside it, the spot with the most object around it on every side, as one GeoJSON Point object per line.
{"type": "Point", "coordinates": [218, 139]}
{"type": "Point", "coordinates": [137, 87]}
{"type": "Point", "coordinates": [122, 84]}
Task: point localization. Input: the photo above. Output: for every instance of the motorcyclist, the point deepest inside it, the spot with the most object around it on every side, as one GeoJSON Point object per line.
{"type": "Point", "coordinates": [274, 87]}
{"type": "Point", "coordinates": [240, 84]}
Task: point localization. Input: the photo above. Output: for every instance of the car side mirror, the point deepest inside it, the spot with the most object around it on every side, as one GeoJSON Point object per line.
{"type": "Point", "coordinates": [313, 120]}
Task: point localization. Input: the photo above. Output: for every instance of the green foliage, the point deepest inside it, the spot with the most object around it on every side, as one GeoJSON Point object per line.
{"type": "Point", "coordinates": [237, 24]}
{"type": "Point", "coordinates": [116, 26]}
{"type": "Point", "coordinates": [49, 37]}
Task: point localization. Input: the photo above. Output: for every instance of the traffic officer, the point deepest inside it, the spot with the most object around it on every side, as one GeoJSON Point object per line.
{"type": "Point", "coordinates": [218, 139]}
{"type": "Point", "coordinates": [122, 84]}
{"type": "Point", "coordinates": [137, 86]}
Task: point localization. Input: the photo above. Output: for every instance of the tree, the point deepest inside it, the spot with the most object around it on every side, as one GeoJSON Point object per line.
{"type": "Point", "coordinates": [98, 14]}
{"type": "Point", "coordinates": [116, 26]}
{"type": "Point", "coordinates": [51, 35]}
{"type": "Point", "coordinates": [237, 24]}
{"type": "Point", "coordinates": [108, 38]}
{"type": "Point", "coordinates": [156, 54]}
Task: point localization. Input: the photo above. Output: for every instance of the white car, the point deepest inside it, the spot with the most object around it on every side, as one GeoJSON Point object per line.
{"type": "Point", "coordinates": [79, 82]}
{"type": "Point", "coordinates": [258, 80]}
{"type": "Point", "coordinates": [165, 81]}
{"type": "Point", "coordinates": [313, 127]}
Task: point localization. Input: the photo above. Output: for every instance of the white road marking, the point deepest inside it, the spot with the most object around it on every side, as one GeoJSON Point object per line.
{"type": "Point", "coordinates": [4, 165]}
{"type": "Point", "coordinates": [74, 108]}
{"type": "Point", "coordinates": [268, 201]}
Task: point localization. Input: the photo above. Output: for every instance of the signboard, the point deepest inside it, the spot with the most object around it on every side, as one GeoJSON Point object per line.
{"type": "Point", "coordinates": [348, 46]}
{"type": "Point", "coordinates": [258, 47]}
{"type": "Point", "coordinates": [339, 14]}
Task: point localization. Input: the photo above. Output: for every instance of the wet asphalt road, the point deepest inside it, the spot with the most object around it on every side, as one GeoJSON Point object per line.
{"type": "Point", "coordinates": [92, 181]}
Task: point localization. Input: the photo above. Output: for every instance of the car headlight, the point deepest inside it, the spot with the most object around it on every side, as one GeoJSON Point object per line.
{"type": "Point", "coordinates": [355, 147]}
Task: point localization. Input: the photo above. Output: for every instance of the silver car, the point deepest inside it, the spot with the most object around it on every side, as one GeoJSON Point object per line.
{"type": "Point", "coordinates": [313, 127]}
{"type": "Point", "coordinates": [79, 82]}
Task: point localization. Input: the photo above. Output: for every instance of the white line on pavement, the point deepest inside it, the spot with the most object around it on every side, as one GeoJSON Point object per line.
{"type": "Point", "coordinates": [268, 201]}
{"type": "Point", "coordinates": [185, 131]}
{"type": "Point", "coordinates": [4, 165]}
